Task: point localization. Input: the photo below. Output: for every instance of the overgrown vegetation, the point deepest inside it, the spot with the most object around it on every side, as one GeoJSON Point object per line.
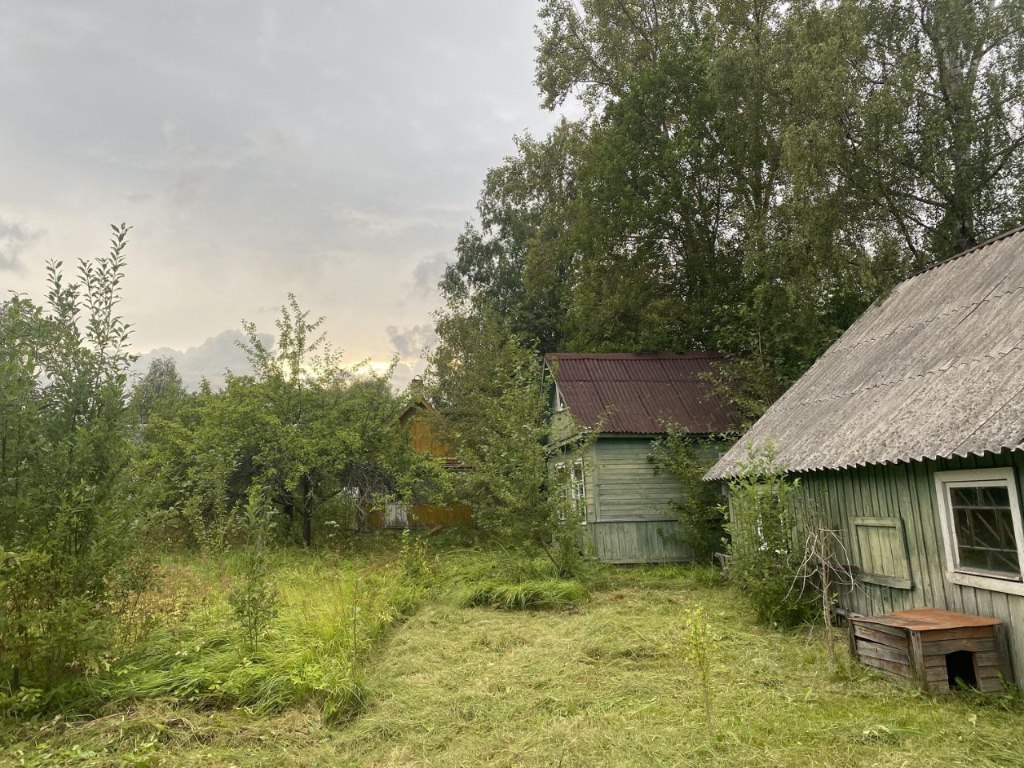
{"type": "Point", "coordinates": [766, 532]}
{"type": "Point", "coordinates": [66, 522]}
{"type": "Point", "coordinates": [688, 458]}
{"type": "Point", "coordinates": [606, 685]}
{"type": "Point", "coordinates": [747, 176]}
{"type": "Point", "coordinates": [319, 440]}
{"type": "Point", "coordinates": [491, 400]}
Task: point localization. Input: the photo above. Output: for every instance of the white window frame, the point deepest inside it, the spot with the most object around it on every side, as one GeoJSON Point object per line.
{"type": "Point", "coordinates": [578, 486]}
{"type": "Point", "coordinates": [559, 400]}
{"type": "Point", "coordinates": [575, 491]}
{"type": "Point", "coordinates": [972, 577]}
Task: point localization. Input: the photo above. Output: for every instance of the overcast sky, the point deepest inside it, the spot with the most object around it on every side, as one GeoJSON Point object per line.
{"type": "Point", "coordinates": [332, 149]}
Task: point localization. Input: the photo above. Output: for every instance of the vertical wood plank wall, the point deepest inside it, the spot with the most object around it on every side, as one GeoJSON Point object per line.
{"type": "Point", "coordinates": [630, 519]}
{"type": "Point", "coordinates": [907, 492]}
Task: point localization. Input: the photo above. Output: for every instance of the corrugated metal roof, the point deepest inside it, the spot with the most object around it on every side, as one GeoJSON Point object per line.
{"type": "Point", "coordinates": [638, 394]}
{"type": "Point", "coordinates": [936, 369]}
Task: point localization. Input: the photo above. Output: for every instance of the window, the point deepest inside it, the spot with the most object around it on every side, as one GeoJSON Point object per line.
{"type": "Point", "coordinates": [981, 528]}
{"type": "Point", "coordinates": [559, 401]}
{"type": "Point", "coordinates": [575, 482]}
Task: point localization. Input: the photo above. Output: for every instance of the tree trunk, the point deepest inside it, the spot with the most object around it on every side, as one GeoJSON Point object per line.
{"type": "Point", "coordinates": [305, 512]}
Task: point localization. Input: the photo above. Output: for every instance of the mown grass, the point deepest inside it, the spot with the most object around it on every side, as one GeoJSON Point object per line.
{"type": "Point", "coordinates": [604, 684]}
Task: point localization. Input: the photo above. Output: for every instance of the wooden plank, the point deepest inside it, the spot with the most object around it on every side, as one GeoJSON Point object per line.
{"type": "Point", "coordinates": [890, 667]}
{"type": "Point", "coordinates": [884, 638]}
{"type": "Point", "coordinates": [902, 480]}
{"type": "Point", "coordinates": [981, 658]}
{"type": "Point", "coordinates": [935, 635]}
{"type": "Point", "coordinates": [878, 626]}
{"type": "Point", "coordinates": [975, 645]}
{"type": "Point", "coordinates": [879, 651]}
{"type": "Point", "coordinates": [990, 686]}
{"type": "Point", "coordinates": [919, 670]}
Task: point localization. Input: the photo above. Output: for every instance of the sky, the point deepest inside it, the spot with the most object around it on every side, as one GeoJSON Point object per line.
{"type": "Point", "coordinates": [330, 149]}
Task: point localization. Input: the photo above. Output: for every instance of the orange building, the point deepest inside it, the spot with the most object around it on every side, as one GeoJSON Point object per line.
{"type": "Point", "coordinates": [415, 418]}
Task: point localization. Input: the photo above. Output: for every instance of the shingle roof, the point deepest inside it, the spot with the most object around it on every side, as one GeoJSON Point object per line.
{"type": "Point", "coordinates": [936, 369]}
{"type": "Point", "coordinates": [638, 394]}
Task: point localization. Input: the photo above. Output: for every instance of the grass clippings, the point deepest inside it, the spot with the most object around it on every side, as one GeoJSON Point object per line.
{"type": "Point", "coordinates": [609, 684]}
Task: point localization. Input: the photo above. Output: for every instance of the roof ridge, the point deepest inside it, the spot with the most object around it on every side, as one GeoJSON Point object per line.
{"type": "Point", "coordinates": [984, 244]}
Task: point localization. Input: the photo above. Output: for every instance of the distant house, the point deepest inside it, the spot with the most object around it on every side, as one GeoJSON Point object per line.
{"type": "Point", "coordinates": [908, 435]}
{"type": "Point", "coordinates": [415, 419]}
{"type": "Point", "coordinates": [630, 399]}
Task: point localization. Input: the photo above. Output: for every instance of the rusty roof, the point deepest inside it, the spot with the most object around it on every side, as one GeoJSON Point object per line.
{"type": "Point", "coordinates": [935, 369]}
{"type": "Point", "coordinates": [639, 394]}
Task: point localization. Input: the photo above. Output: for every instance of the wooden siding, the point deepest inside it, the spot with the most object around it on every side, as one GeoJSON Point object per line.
{"type": "Point", "coordinates": [638, 541]}
{"type": "Point", "coordinates": [906, 492]}
{"type": "Point", "coordinates": [631, 518]}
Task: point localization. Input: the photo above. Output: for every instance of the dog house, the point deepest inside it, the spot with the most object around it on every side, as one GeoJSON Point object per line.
{"type": "Point", "coordinates": [935, 649]}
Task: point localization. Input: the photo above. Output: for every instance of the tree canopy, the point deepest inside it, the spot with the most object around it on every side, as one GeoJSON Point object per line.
{"type": "Point", "coordinates": [748, 175]}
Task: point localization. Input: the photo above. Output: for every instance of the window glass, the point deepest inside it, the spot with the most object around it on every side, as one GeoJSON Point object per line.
{"type": "Point", "coordinates": [984, 530]}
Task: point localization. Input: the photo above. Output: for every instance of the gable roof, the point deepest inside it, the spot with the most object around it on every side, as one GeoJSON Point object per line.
{"type": "Point", "coordinates": [637, 394]}
{"type": "Point", "coordinates": [936, 369]}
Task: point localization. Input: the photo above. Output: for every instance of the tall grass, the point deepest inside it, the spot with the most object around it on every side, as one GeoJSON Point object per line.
{"type": "Point", "coordinates": [330, 617]}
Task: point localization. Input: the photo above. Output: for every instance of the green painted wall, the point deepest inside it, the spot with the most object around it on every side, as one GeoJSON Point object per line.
{"type": "Point", "coordinates": [915, 566]}
{"type": "Point", "coordinates": [632, 521]}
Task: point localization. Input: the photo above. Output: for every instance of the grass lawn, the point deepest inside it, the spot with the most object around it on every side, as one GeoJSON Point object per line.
{"type": "Point", "coordinates": [607, 683]}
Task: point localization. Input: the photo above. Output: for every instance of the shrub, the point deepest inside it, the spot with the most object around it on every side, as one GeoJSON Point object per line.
{"type": "Point", "coordinates": [687, 458]}
{"type": "Point", "coordinates": [765, 528]}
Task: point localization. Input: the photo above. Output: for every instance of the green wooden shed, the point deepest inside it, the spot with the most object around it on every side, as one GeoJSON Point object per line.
{"type": "Point", "coordinates": [908, 436]}
{"type": "Point", "coordinates": [631, 399]}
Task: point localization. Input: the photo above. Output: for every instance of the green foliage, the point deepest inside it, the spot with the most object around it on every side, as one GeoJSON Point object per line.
{"type": "Point", "coordinates": [491, 408]}
{"type": "Point", "coordinates": [765, 529]}
{"type": "Point", "coordinates": [541, 595]}
{"type": "Point", "coordinates": [255, 600]}
{"type": "Point", "coordinates": [160, 393]}
{"type": "Point", "coordinates": [699, 649]}
{"type": "Point", "coordinates": [320, 439]}
{"type": "Point", "coordinates": [748, 176]}
{"type": "Point", "coordinates": [687, 458]}
{"type": "Point", "coordinates": [330, 615]}
{"type": "Point", "coordinates": [65, 520]}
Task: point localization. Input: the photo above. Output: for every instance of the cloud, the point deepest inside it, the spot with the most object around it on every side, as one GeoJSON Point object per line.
{"type": "Point", "coordinates": [14, 239]}
{"type": "Point", "coordinates": [412, 342]}
{"type": "Point", "coordinates": [427, 274]}
{"type": "Point", "coordinates": [209, 360]}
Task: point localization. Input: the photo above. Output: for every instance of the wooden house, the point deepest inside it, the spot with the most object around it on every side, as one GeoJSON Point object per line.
{"type": "Point", "coordinates": [630, 399]}
{"type": "Point", "coordinates": [415, 419]}
{"type": "Point", "coordinates": [908, 437]}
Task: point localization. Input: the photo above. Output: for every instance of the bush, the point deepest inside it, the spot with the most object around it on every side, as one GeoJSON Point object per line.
{"type": "Point", "coordinates": [687, 458]}
{"type": "Point", "coordinates": [766, 527]}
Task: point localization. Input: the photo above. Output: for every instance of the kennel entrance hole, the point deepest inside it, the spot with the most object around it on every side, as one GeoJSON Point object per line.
{"type": "Point", "coordinates": [960, 669]}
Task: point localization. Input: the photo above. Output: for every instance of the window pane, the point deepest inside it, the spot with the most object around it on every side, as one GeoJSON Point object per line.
{"type": "Point", "coordinates": [963, 497]}
{"type": "Point", "coordinates": [983, 527]}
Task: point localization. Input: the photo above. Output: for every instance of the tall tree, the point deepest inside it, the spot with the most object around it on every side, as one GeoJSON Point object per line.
{"type": "Point", "coordinates": [64, 524]}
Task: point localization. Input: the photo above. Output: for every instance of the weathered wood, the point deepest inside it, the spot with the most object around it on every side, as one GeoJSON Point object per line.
{"type": "Point", "coordinates": [907, 491]}
{"type": "Point", "coordinates": [876, 651]}
{"type": "Point", "coordinates": [974, 645]}
{"type": "Point", "coordinates": [902, 671]}
{"type": "Point", "coordinates": [937, 635]}
{"type": "Point", "coordinates": [876, 636]}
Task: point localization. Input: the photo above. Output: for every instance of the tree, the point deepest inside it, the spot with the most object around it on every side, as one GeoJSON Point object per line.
{"type": "Point", "coordinates": [63, 454]}
{"type": "Point", "coordinates": [933, 127]}
{"type": "Point", "coordinates": [491, 406]}
{"type": "Point", "coordinates": [302, 430]}
{"type": "Point", "coordinates": [749, 175]}
{"type": "Point", "coordinates": [160, 392]}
